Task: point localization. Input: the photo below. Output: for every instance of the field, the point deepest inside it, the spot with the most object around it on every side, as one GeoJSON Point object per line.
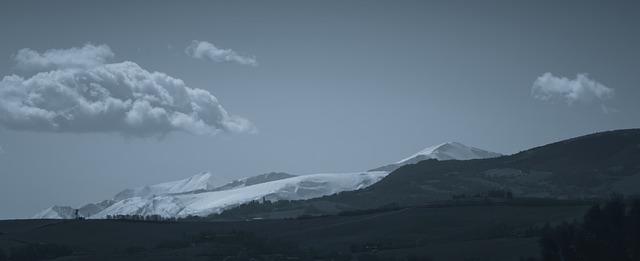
{"type": "Point", "coordinates": [443, 233]}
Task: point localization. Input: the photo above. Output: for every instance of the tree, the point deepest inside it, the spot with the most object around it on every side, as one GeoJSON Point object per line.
{"type": "Point", "coordinates": [548, 248]}
{"type": "Point", "coordinates": [610, 232]}
{"type": "Point", "coordinates": [633, 217]}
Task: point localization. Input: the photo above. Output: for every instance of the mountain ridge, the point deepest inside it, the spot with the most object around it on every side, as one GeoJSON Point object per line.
{"type": "Point", "coordinates": [584, 167]}
{"type": "Point", "coordinates": [201, 181]}
{"type": "Point", "coordinates": [445, 151]}
{"type": "Point", "coordinates": [186, 197]}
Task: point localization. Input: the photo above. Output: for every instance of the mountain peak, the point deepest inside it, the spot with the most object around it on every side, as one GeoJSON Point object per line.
{"type": "Point", "coordinates": [202, 177]}
{"type": "Point", "coordinates": [200, 181]}
{"type": "Point", "coordinates": [451, 150]}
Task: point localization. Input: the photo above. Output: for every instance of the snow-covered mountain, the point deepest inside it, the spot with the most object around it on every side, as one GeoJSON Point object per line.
{"type": "Point", "coordinates": [272, 176]}
{"type": "Point", "coordinates": [205, 203]}
{"type": "Point", "coordinates": [67, 212]}
{"type": "Point", "coordinates": [205, 193]}
{"type": "Point", "coordinates": [202, 181]}
{"type": "Point", "coordinates": [444, 151]}
{"type": "Point", "coordinates": [177, 202]}
{"type": "Point", "coordinates": [56, 212]}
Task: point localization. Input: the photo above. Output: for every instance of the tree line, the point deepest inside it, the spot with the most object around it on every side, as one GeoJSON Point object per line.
{"type": "Point", "coordinates": [606, 232]}
{"type": "Point", "coordinates": [148, 218]}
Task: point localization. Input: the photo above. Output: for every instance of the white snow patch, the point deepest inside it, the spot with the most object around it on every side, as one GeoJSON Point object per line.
{"type": "Point", "coordinates": [205, 203]}
{"type": "Point", "coordinates": [202, 181]}
{"type": "Point", "coordinates": [450, 151]}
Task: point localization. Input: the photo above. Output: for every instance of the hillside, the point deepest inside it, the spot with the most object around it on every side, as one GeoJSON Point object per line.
{"type": "Point", "coordinates": [590, 166]}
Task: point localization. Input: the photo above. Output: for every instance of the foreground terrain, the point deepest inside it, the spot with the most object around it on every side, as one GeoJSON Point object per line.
{"type": "Point", "coordinates": [482, 232]}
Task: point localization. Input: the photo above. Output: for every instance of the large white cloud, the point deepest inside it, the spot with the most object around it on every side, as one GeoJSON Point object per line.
{"type": "Point", "coordinates": [84, 57]}
{"type": "Point", "coordinates": [118, 97]}
{"type": "Point", "coordinates": [579, 90]}
{"type": "Point", "coordinates": [207, 51]}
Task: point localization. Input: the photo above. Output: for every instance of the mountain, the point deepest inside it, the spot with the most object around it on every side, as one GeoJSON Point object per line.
{"type": "Point", "coordinates": [205, 203]}
{"type": "Point", "coordinates": [56, 212]}
{"type": "Point", "coordinates": [68, 212]}
{"type": "Point", "coordinates": [591, 166]}
{"type": "Point", "coordinates": [204, 193]}
{"type": "Point", "coordinates": [202, 181]}
{"type": "Point", "coordinates": [444, 151]}
{"type": "Point", "coordinates": [165, 199]}
{"type": "Point", "coordinates": [267, 177]}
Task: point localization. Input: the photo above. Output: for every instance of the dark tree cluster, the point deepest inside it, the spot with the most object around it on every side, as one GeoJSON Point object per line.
{"type": "Point", "coordinates": [256, 207]}
{"type": "Point", "coordinates": [492, 193]}
{"type": "Point", "coordinates": [608, 232]}
{"type": "Point", "coordinates": [147, 218]}
{"type": "Point", "coordinates": [239, 245]}
{"type": "Point", "coordinates": [37, 251]}
{"type": "Point", "coordinates": [386, 208]}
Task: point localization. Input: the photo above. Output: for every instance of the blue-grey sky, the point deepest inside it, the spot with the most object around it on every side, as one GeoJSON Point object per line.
{"type": "Point", "coordinates": [294, 86]}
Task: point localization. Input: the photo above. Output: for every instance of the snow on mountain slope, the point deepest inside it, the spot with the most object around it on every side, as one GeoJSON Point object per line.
{"type": "Point", "coordinates": [68, 212]}
{"type": "Point", "coordinates": [204, 193]}
{"type": "Point", "coordinates": [296, 188]}
{"type": "Point", "coordinates": [202, 181]}
{"type": "Point", "coordinates": [444, 151]}
{"type": "Point", "coordinates": [164, 205]}
{"type": "Point", "coordinates": [451, 151]}
{"type": "Point", "coordinates": [239, 183]}
{"type": "Point", "coordinates": [56, 212]}
{"type": "Point", "coordinates": [199, 182]}
{"type": "Point", "coordinates": [205, 203]}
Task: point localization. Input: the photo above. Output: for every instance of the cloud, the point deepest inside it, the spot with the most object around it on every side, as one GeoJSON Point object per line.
{"type": "Point", "coordinates": [117, 98]}
{"type": "Point", "coordinates": [1, 150]}
{"type": "Point", "coordinates": [84, 57]}
{"type": "Point", "coordinates": [607, 110]}
{"type": "Point", "coordinates": [207, 51]}
{"type": "Point", "coordinates": [579, 90]}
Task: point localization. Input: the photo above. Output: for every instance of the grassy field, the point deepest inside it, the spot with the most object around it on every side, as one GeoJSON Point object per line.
{"type": "Point", "coordinates": [445, 233]}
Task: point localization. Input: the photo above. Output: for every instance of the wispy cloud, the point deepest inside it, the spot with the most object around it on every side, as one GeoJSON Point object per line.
{"type": "Point", "coordinates": [550, 88]}
{"type": "Point", "coordinates": [2, 150]}
{"type": "Point", "coordinates": [207, 51]}
{"type": "Point", "coordinates": [77, 57]}
{"type": "Point", "coordinates": [120, 98]}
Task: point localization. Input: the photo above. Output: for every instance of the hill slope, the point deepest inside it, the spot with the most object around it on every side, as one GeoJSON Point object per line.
{"type": "Point", "coordinates": [585, 167]}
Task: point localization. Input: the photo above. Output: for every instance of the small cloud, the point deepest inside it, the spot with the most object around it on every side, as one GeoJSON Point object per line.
{"type": "Point", "coordinates": [119, 98]}
{"type": "Point", "coordinates": [2, 150]}
{"type": "Point", "coordinates": [207, 51]}
{"type": "Point", "coordinates": [607, 110]}
{"type": "Point", "coordinates": [83, 57]}
{"type": "Point", "coordinates": [579, 90]}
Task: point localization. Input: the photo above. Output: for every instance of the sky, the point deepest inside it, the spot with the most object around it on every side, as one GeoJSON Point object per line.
{"type": "Point", "coordinates": [100, 96]}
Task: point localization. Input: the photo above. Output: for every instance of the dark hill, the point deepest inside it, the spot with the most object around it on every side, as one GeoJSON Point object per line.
{"type": "Point", "coordinates": [590, 166]}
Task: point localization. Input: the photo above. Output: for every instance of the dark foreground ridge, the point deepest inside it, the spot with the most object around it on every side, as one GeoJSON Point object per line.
{"type": "Point", "coordinates": [443, 233]}
{"type": "Point", "coordinates": [435, 232]}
